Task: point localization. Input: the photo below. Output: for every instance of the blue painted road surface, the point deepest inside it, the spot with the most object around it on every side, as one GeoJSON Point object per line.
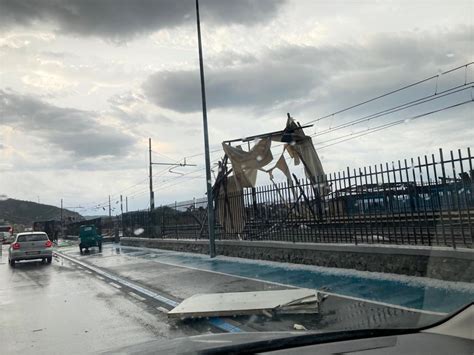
{"type": "Point", "coordinates": [413, 292]}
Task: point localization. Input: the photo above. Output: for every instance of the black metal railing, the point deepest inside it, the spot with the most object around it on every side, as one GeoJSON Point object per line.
{"type": "Point", "coordinates": [424, 201]}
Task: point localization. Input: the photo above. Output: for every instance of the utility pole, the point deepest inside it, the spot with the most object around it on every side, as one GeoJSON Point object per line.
{"type": "Point", "coordinates": [110, 208]}
{"type": "Point", "coordinates": [172, 165]}
{"type": "Point", "coordinates": [62, 226]}
{"type": "Point", "coordinates": [126, 203]}
{"type": "Point", "coordinates": [210, 207]}
{"type": "Point", "coordinates": [117, 235]}
{"type": "Point", "coordinates": [152, 195]}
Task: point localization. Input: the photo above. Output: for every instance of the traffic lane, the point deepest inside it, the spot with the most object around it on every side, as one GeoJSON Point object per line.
{"type": "Point", "coordinates": [59, 308]}
{"type": "Point", "coordinates": [170, 280]}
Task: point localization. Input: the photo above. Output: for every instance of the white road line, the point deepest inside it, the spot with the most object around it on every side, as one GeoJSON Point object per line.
{"type": "Point", "coordinates": [89, 272]}
{"type": "Point", "coordinates": [138, 297]}
{"type": "Point", "coordinates": [122, 281]}
{"type": "Point", "coordinates": [99, 277]}
{"type": "Point", "coordinates": [217, 322]}
{"type": "Point", "coordinates": [115, 285]}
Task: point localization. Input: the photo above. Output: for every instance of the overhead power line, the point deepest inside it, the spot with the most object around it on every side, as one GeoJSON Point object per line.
{"type": "Point", "coordinates": [390, 124]}
{"type": "Point", "coordinates": [397, 108]}
{"type": "Point", "coordinates": [390, 93]}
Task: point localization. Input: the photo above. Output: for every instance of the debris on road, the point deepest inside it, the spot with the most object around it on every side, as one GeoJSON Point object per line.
{"type": "Point", "coordinates": [247, 303]}
{"type": "Point", "coordinates": [299, 327]}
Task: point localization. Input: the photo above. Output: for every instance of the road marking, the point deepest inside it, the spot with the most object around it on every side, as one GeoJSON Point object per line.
{"type": "Point", "coordinates": [99, 277]}
{"type": "Point", "coordinates": [217, 322]}
{"type": "Point", "coordinates": [89, 272]}
{"type": "Point", "coordinates": [414, 310]}
{"type": "Point", "coordinates": [162, 310]}
{"type": "Point", "coordinates": [80, 268]}
{"type": "Point", "coordinates": [138, 297]}
{"type": "Point", "coordinates": [222, 324]}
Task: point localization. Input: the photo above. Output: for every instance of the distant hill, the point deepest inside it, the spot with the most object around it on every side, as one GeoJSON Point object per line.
{"type": "Point", "coordinates": [26, 212]}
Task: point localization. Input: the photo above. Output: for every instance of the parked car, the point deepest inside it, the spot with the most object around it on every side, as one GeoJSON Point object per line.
{"type": "Point", "coordinates": [30, 245]}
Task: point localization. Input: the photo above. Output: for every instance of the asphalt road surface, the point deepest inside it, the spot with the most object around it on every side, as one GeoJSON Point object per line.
{"type": "Point", "coordinates": [104, 301]}
{"type": "Point", "coordinates": [60, 308]}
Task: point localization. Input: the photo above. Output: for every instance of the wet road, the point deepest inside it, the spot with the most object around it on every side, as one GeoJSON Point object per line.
{"type": "Point", "coordinates": [59, 308]}
{"type": "Point", "coordinates": [104, 301]}
{"type": "Point", "coordinates": [149, 268]}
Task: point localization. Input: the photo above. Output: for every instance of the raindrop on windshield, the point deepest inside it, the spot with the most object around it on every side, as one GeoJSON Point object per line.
{"type": "Point", "coordinates": [138, 231]}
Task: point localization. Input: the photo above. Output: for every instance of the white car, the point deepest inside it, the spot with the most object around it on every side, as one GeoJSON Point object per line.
{"type": "Point", "coordinates": [30, 245]}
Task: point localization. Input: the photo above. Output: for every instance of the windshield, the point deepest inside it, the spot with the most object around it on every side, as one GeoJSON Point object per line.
{"type": "Point", "coordinates": [205, 167]}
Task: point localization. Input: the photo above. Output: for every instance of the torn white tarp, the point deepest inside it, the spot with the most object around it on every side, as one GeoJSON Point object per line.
{"type": "Point", "coordinates": [230, 206]}
{"type": "Point", "coordinates": [246, 164]}
{"type": "Point", "coordinates": [301, 149]}
{"type": "Point", "coordinates": [247, 303]}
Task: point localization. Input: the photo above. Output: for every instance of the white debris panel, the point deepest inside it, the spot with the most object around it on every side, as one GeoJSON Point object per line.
{"type": "Point", "coordinates": [247, 303]}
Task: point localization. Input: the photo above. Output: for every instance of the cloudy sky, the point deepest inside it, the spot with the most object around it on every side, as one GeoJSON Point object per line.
{"type": "Point", "coordinates": [83, 84]}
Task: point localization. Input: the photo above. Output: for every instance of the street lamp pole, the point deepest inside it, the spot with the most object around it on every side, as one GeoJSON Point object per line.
{"type": "Point", "coordinates": [210, 206]}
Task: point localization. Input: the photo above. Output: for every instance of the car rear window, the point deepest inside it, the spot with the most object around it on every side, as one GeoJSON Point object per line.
{"type": "Point", "coordinates": [32, 237]}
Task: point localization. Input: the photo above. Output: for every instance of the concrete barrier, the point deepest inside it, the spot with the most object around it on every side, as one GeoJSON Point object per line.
{"type": "Point", "coordinates": [439, 263]}
{"type": "Point", "coordinates": [106, 239]}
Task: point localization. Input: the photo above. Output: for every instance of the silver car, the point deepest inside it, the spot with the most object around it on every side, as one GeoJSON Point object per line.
{"type": "Point", "coordinates": [30, 245]}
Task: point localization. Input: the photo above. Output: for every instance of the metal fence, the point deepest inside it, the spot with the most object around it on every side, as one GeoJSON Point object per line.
{"type": "Point", "coordinates": [424, 201]}
{"type": "Point", "coordinates": [105, 225]}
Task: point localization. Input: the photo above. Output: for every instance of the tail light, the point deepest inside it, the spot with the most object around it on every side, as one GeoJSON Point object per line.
{"type": "Point", "coordinates": [16, 246]}
{"type": "Point", "coordinates": [48, 244]}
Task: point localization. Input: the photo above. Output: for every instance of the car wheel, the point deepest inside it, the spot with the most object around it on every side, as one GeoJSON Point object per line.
{"type": "Point", "coordinates": [12, 263]}
{"type": "Point", "coordinates": [49, 259]}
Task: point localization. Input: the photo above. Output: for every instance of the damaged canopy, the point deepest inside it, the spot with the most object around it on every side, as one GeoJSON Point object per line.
{"type": "Point", "coordinates": [246, 164]}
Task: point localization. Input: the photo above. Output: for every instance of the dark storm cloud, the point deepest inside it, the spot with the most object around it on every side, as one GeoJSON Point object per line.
{"type": "Point", "coordinates": [341, 73]}
{"type": "Point", "coordinates": [124, 19]}
{"type": "Point", "coordinates": [76, 131]}
{"type": "Point", "coordinates": [258, 84]}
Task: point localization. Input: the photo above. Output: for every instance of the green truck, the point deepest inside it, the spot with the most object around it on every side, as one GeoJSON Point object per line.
{"type": "Point", "coordinates": [88, 237]}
